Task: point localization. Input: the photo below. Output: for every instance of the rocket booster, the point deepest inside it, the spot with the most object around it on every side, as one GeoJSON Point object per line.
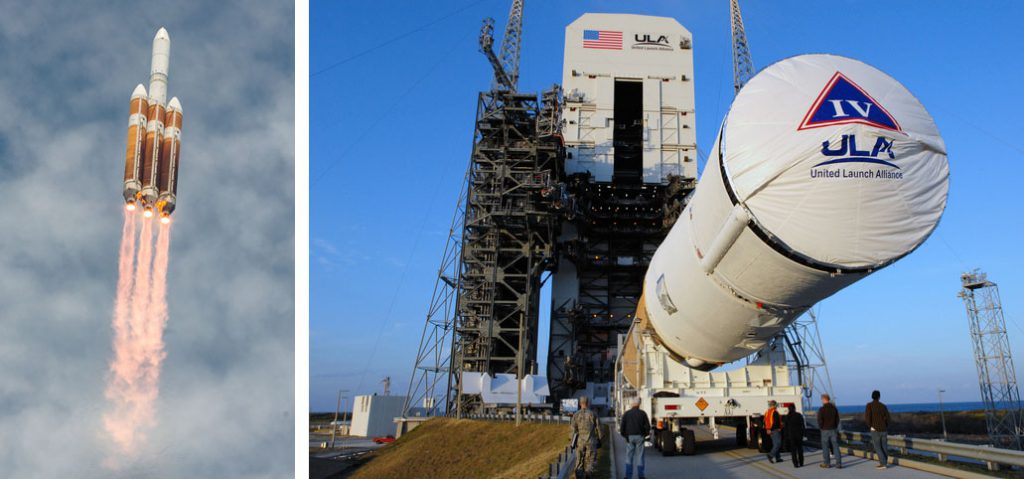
{"type": "Point", "coordinates": [167, 174]}
{"type": "Point", "coordinates": [137, 121]}
{"type": "Point", "coordinates": [154, 133]}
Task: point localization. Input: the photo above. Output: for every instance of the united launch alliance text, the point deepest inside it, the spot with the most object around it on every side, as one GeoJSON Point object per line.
{"type": "Point", "coordinates": [880, 174]}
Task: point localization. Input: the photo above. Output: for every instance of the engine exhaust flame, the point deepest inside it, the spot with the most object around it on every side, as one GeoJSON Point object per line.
{"type": "Point", "coordinates": [140, 316]}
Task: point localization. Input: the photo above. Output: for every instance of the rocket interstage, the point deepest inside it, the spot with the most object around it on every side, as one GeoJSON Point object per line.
{"type": "Point", "coordinates": [825, 170]}
{"type": "Point", "coordinates": [154, 139]}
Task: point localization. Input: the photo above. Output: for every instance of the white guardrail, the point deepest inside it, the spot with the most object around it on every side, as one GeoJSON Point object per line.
{"type": "Point", "coordinates": [991, 457]}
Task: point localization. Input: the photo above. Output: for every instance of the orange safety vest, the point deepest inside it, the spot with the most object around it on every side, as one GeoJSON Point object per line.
{"type": "Point", "coordinates": [768, 418]}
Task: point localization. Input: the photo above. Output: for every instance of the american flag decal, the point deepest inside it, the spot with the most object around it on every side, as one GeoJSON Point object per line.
{"type": "Point", "coordinates": [602, 39]}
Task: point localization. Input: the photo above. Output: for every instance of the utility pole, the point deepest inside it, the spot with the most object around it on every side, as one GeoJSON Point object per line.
{"type": "Point", "coordinates": [942, 414]}
{"type": "Point", "coordinates": [337, 409]}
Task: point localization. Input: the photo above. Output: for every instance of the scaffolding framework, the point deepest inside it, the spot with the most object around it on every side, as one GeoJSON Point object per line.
{"type": "Point", "coordinates": [996, 375]}
{"type": "Point", "coordinates": [508, 240]}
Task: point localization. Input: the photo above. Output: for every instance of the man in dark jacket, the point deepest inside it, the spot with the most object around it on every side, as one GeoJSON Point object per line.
{"type": "Point", "coordinates": [828, 423]}
{"type": "Point", "coordinates": [773, 426]}
{"type": "Point", "coordinates": [794, 432]}
{"type": "Point", "coordinates": [635, 426]}
{"type": "Point", "coordinates": [876, 415]}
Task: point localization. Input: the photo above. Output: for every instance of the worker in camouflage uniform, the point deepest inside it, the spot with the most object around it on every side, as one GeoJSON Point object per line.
{"type": "Point", "coordinates": [586, 439]}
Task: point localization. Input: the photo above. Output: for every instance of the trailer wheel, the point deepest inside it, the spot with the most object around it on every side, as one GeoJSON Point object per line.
{"type": "Point", "coordinates": [753, 442]}
{"type": "Point", "coordinates": [689, 442]}
{"type": "Point", "coordinates": [668, 443]}
{"type": "Point", "coordinates": [764, 441]}
{"type": "Point", "coordinates": [741, 437]}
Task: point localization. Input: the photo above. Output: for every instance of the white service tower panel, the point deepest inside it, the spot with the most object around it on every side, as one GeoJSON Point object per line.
{"type": "Point", "coordinates": [623, 75]}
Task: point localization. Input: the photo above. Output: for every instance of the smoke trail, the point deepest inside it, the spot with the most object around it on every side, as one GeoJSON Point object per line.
{"type": "Point", "coordinates": [131, 387]}
{"type": "Point", "coordinates": [156, 313]}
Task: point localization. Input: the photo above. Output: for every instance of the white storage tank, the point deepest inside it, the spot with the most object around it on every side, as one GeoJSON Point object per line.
{"type": "Point", "coordinates": [825, 170]}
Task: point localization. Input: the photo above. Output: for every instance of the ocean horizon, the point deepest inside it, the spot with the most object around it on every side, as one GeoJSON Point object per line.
{"type": "Point", "coordinates": [918, 407]}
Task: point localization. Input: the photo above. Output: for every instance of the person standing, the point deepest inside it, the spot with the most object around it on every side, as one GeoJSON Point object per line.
{"type": "Point", "coordinates": [773, 426]}
{"type": "Point", "coordinates": [828, 423]}
{"type": "Point", "coordinates": [586, 439]}
{"type": "Point", "coordinates": [876, 415]}
{"type": "Point", "coordinates": [635, 426]}
{"type": "Point", "coordinates": [794, 432]}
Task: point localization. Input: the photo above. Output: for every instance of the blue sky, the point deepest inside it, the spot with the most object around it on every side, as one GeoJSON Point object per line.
{"type": "Point", "coordinates": [390, 135]}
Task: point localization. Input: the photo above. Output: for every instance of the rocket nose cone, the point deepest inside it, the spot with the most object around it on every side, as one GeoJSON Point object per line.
{"type": "Point", "coordinates": [174, 104]}
{"type": "Point", "coordinates": [140, 91]}
{"type": "Point", "coordinates": [161, 34]}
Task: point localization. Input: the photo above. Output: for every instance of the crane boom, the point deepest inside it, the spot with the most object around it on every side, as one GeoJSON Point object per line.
{"type": "Point", "coordinates": [505, 64]}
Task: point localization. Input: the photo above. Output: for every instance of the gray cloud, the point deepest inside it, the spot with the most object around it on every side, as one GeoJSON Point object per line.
{"type": "Point", "coordinates": [226, 405]}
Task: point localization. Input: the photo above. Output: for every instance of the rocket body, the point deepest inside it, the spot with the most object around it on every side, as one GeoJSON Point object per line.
{"type": "Point", "coordinates": [138, 118]}
{"type": "Point", "coordinates": [824, 171]}
{"type": "Point", "coordinates": [170, 150]}
{"type": "Point", "coordinates": [154, 138]}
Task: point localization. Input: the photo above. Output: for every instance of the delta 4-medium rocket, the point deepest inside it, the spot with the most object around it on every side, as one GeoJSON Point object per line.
{"type": "Point", "coordinates": [154, 139]}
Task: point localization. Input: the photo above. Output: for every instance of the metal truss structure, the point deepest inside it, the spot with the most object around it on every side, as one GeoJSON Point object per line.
{"type": "Point", "coordinates": [430, 384]}
{"type": "Point", "coordinates": [996, 375]}
{"type": "Point", "coordinates": [806, 359]}
{"type": "Point", "coordinates": [742, 64]}
{"type": "Point", "coordinates": [511, 219]}
{"type": "Point", "coordinates": [619, 226]}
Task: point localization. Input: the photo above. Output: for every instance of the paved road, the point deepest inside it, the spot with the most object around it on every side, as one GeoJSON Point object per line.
{"type": "Point", "coordinates": [722, 459]}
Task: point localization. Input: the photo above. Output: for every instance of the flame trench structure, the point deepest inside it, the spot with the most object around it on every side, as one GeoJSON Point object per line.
{"type": "Point", "coordinates": [140, 315]}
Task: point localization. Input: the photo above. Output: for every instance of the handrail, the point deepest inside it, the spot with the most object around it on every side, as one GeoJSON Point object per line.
{"type": "Point", "coordinates": [943, 450]}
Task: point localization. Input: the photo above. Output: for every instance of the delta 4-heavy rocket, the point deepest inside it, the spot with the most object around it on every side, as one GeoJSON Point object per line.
{"type": "Point", "coordinates": [154, 139]}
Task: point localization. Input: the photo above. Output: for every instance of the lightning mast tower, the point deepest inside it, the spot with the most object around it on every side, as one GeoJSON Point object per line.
{"type": "Point", "coordinates": [742, 65]}
{"type": "Point", "coordinates": [996, 374]}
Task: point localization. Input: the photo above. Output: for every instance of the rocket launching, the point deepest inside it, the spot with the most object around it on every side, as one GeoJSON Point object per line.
{"type": "Point", "coordinates": [140, 306]}
{"type": "Point", "coordinates": [154, 140]}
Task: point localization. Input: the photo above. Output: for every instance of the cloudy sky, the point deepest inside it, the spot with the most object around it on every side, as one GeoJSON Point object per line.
{"type": "Point", "coordinates": [394, 95]}
{"type": "Point", "coordinates": [226, 402]}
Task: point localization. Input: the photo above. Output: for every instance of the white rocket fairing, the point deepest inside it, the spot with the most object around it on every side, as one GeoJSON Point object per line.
{"type": "Point", "coordinates": [824, 171]}
{"type": "Point", "coordinates": [154, 132]}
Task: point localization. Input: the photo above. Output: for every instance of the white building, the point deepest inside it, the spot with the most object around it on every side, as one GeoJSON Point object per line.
{"type": "Point", "coordinates": [626, 75]}
{"type": "Point", "coordinates": [374, 416]}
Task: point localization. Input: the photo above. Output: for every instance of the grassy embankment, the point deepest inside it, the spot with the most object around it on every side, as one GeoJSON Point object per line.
{"type": "Point", "coordinates": [454, 448]}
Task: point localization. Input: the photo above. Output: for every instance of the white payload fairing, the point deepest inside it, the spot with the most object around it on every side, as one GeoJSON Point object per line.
{"type": "Point", "coordinates": [824, 171]}
{"type": "Point", "coordinates": [154, 139]}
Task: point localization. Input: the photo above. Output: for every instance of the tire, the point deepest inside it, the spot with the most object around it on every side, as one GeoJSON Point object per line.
{"type": "Point", "coordinates": [764, 441]}
{"type": "Point", "coordinates": [668, 443]}
{"type": "Point", "coordinates": [754, 441]}
{"type": "Point", "coordinates": [741, 437]}
{"type": "Point", "coordinates": [689, 442]}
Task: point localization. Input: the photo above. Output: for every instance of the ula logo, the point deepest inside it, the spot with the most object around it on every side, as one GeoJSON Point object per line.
{"type": "Point", "coordinates": [842, 101]}
{"type": "Point", "coordinates": [646, 39]}
{"type": "Point", "coordinates": [848, 150]}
